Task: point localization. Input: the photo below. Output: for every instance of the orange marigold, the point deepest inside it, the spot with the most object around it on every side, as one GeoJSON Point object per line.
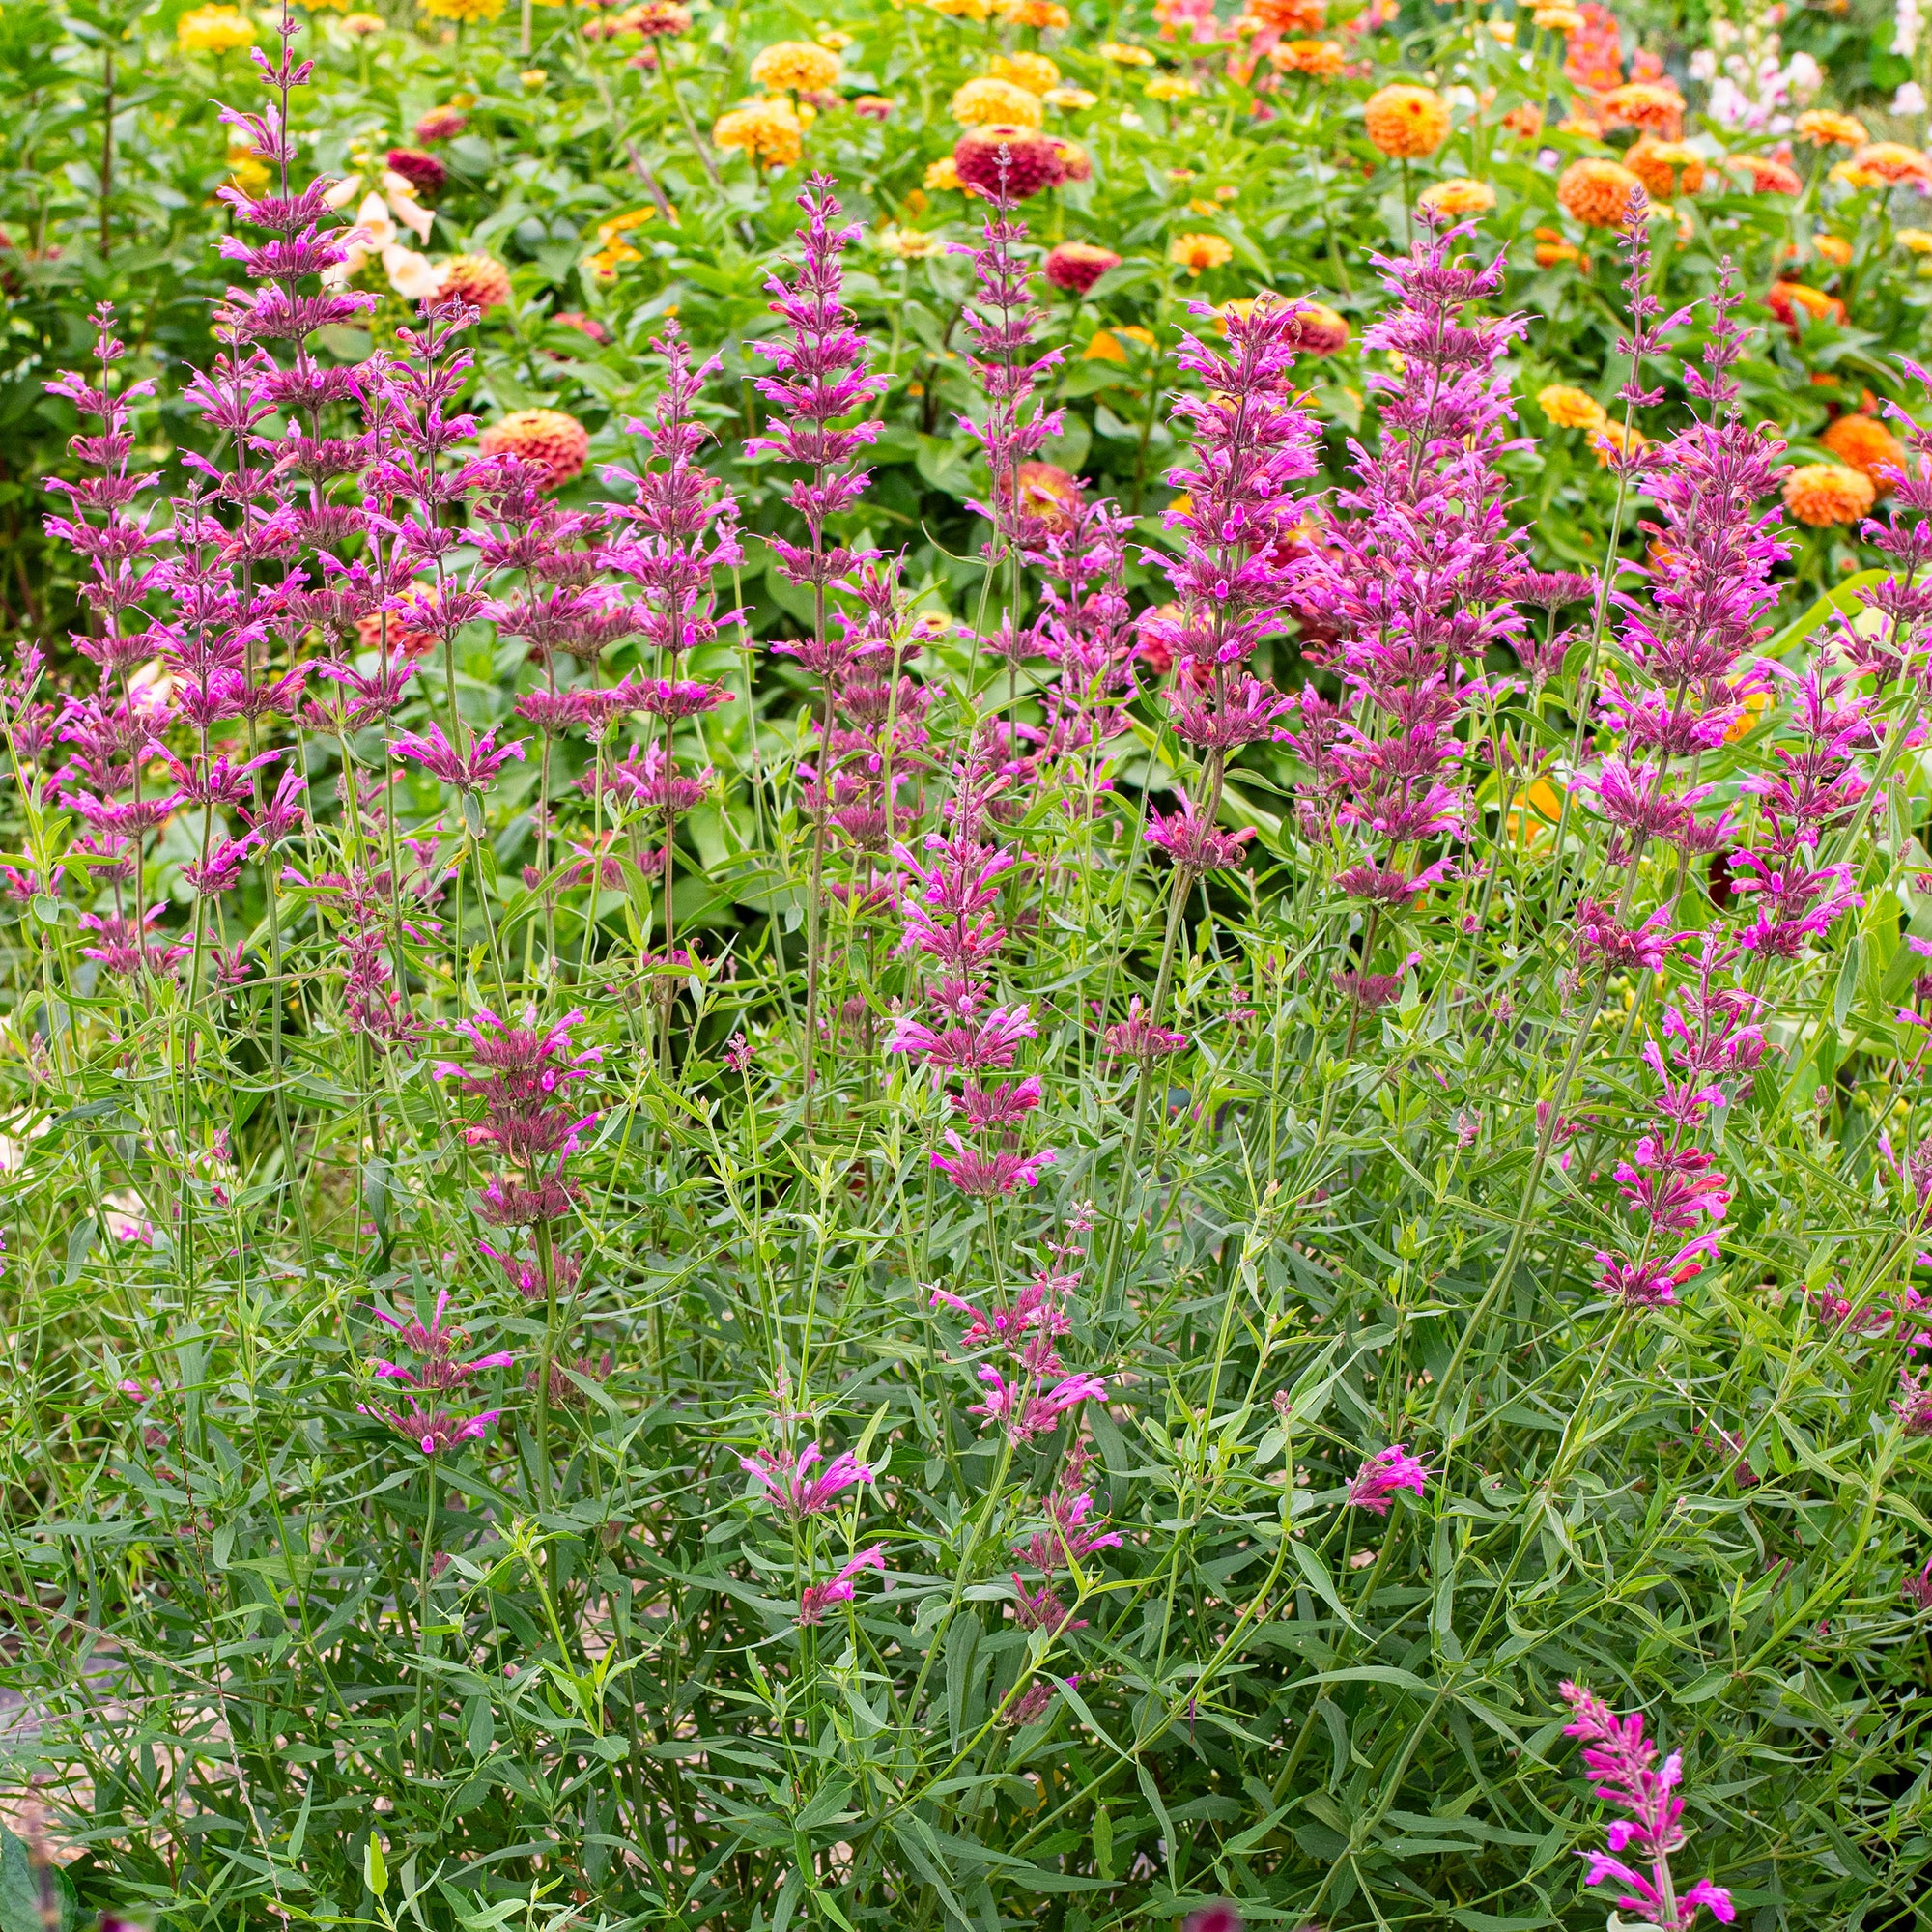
{"type": "Point", "coordinates": [1892, 162]}
{"type": "Point", "coordinates": [1823, 493]}
{"type": "Point", "coordinates": [1767, 175]}
{"type": "Point", "coordinates": [1289, 18]}
{"type": "Point", "coordinates": [1571, 409]}
{"type": "Point", "coordinates": [1458, 197]}
{"type": "Point", "coordinates": [1319, 59]}
{"type": "Point", "coordinates": [1833, 248]}
{"type": "Point", "coordinates": [1665, 168]}
{"type": "Point", "coordinates": [1655, 106]}
{"type": "Point", "coordinates": [1196, 252]}
{"type": "Point", "coordinates": [1405, 122]}
{"type": "Point", "coordinates": [1525, 123]}
{"type": "Point", "coordinates": [1048, 16]}
{"type": "Point", "coordinates": [1599, 194]}
{"type": "Point", "coordinates": [1553, 254]}
{"type": "Point", "coordinates": [480, 280]}
{"type": "Point", "coordinates": [1863, 444]}
{"type": "Point", "coordinates": [1785, 299]}
{"type": "Point", "coordinates": [1824, 128]}
{"type": "Point", "coordinates": [549, 437]}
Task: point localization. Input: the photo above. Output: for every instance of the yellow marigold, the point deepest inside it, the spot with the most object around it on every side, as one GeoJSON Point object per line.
{"type": "Point", "coordinates": [461, 10]}
{"type": "Point", "coordinates": [1833, 248]}
{"type": "Point", "coordinates": [1892, 162]}
{"type": "Point", "coordinates": [1458, 197]}
{"type": "Point", "coordinates": [941, 174]}
{"type": "Point", "coordinates": [834, 40]}
{"type": "Point", "coordinates": [981, 102]}
{"type": "Point", "coordinates": [1653, 105]}
{"type": "Point", "coordinates": [1571, 409]}
{"type": "Point", "coordinates": [1558, 19]}
{"type": "Point", "coordinates": [323, 6]}
{"type": "Point", "coordinates": [1665, 168]}
{"type": "Point", "coordinates": [479, 279]}
{"type": "Point", "coordinates": [248, 170]}
{"type": "Point", "coordinates": [533, 78]}
{"type": "Point", "coordinates": [962, 10]}
{"type": "Point", "coordinates": [1123, 55]}
{"type": "Point", "coordinates": [1171, 87]}
{"type": "Point", "coordinates": [910, 244]}
{"type": "Point", "coordinates": [1033, 72]}
{"type": "Point", "coordinates": [1856, 177]}
{"type": "Point", "coordinates": [1075, 100]}
{"type": "Point", "coordinates": [1319, 59]}
{"type": "Point", "coordinates": [1612, 438]}
{"type": "Point", "coordinates": [364, 25]}
{"type": "Point", "coordinates": [1195, 252]}
{"type": "Point", "coordinates": [1048, 16]}
{"type": "Point", "coordinates": [1824, 128]}
{"type": "Point", "coordinates": [1916, 241]}
{"type": "Point", "coordinates": [1105, 345]}
{"type": "Point", "coordinates": [1405, 122]}
{"type": "Point", "coordinates": [547, 437]}
{"type": "Point", "coordinates": [787, 64]}
{"type": "Point", "coordinates": [1599, 194]}
{"type": "Point", "coordinates": [214, 29]}
{"type": "Point", "coordinates": [1863, 444]}
{"type": "Point", "coordinates": [768, 130]}
{"type": "Point", "coordinates": [1823, 493]}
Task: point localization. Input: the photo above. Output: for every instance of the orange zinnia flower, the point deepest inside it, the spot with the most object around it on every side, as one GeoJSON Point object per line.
{"type": "Point", "coordinates": [1823, 493]}
{"type": "Point", "coordinates": [1405, 122]}
{"type": "Point", "coordinates": [1599, 194]}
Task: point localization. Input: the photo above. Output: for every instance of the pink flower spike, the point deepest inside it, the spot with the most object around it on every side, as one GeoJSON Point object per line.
{"type": "Point", "coordinates": [983, 1175]}
{"type": "Point", "coordinates": [818, 1598]}
{"type": "Point", "coordinates": [1382, 1474]}
{"type": "Point", "coordinates": [790, 1487]}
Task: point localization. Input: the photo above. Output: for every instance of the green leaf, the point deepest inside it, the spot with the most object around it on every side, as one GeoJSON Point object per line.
{"type": "Point", "coordinates": [36, 1895]}
{"type": "Point", "coordinates": [375, 1873]}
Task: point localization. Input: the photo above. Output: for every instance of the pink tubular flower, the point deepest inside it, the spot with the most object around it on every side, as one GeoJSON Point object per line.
{"type": "Point", "coordinates": [983, 1175]}
{"type": "Point", "coordinates": [1382, 1474]}
{"type": "Point", "coordinates": [468, 771]}
{"type": "Point", "coordinates": [971, 1047]}
{"type": "Point", "coordinates": [433, 1431]}
{"type": "Point", "coordinates": [818, 1598]}
{"type": "Point", "coordinates": [1603, 940]}
{"type": "Point", "coordinates": [790, 1487]}
{"type": "Point", "coordinates": [1670, 1186]}
{"type": "Point", "coordinates": [1193, 843]}
{"type": "Point", "coordinates": [1037, 1699]}
{"type": "Point", "coordinates": [1024, 1416]}
{"type": "Point", "coordinates": [1138, 1038]}
{"type": "Point", "coordinates": [1622, 1762]}
{"type": "Point", "coordinates": [437, 1346]}
{"type": "Point", "coordinates": [1653, 1282]}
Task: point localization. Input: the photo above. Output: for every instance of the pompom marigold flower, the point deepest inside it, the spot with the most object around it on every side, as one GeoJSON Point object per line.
{"type": "Point", "coordinates": [1405, 122]}
{"type": "Point", "coordinates": [1030, 161]}
{"type": "Point", "coordinates": [1654, 106]}
{"type": "Point", "coordinates": [1571, 409]}
{"type": "Point", "coordinates": [1599, 194]}
{"type": "Point", "coordinates": [1784, 299]}
{"type": "Point", "coordinates": [985, 101]}
{"type": "Point", "coordinates": [1833, 248]}
{"type": "Point", "coordinates": [1171, 87]}
{"type": "Point", "coordinates": [1824, 128]}
{"type": "Point", "coordinates": [1076, 266]}
{"type": "Point", "coordinates": [557, 441]}
{"type": "Point", "coordinates": [1524, 122]}
{"type": "Point", "coordinates": [658, 19]}
{"type": "Point", "coordinates": [942, 175]}
{"type": "Point", "coordinates": [1105, 345]}
{"type": "Point", "coordinates": [1553, 254]}
{"type": "Point", "coordinates": [1318, 330]}
{"type": "Point", "coordinates": [1863, 444]}
{"type": "Point", "coordinates": [768, 130]}
{"type": "Point", "coordinates": [1557, 19]}
{"type": "Point", "coordinates": [1196, 252]}
{"type": "Point", "coordinates": [214, 29]}
{"type": "Point", "coordinates": [1665, 168]}
{"type": "Point", "coordinates": [1047, 15]}
{"type": "Point", "coordinates": [1458, 197]}
{"type": "Point", "coordinates": [872, 108]}
{"type": "Point", "coordinates": [909, 244]}
{"type": "Point", "coordinates": [478, 279]}
{"type": "Point", "coordinates": [1319, 59]}
{"type": "Point", "coordinates": [1823, 493]}
{"type": "Point", "coordinates": [1893, 162]}
{"type": "Point", "coordinates": [788, 65]}
{"type": "Point", "coordinates": [1033, 72]}
{"type": "Point", "coordinates": [364, 25]}
{"type": "Point", "coordinates": [1121, 54]}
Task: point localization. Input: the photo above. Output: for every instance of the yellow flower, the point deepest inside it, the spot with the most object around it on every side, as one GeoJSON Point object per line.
{"type": "Point", "coordinates": [214, 29]}
{"type": "Point", "coordinates": [1405, 122]}
{"type": "Point", "coordinates": [910, 244]}
{"type": "Point", "coordinates": [1571, 409]}
{"type": "Point", "coordinates": [1201, 205]}
{"type": "Point", "coordinates": [1823, 493]}
{"type": "Point", "coordinates": [1458, 197]}
{"type": "Point", "coordinates": [1825, 128]}
{"type": "Point", "coordinates": [1917, 240]}
{"type": "Point", "coordinates": [962, 10]}
{"type": "Point", "coordinates": [768, 130]}
{"type": "Point", "coordinates": [364, 25]}
{"type": "Point", "coordinates": [834, 40]}
{"type": "Point", "coordinates": [248, 170]}
{"type": "Point", "coordinates": [941, 174]}
{"type": "Point", "coordinates": [1033, 72]}
{"type": "Point", "coordinates": [1833, 248]}
{"type": "Point", "coordinates": [1048, 16]}
{"type": "Point", "coordinates": [1076, 100]}
{"type": "Point", "coordinates": [794, 64]}
{"type": "Point", "coordinates": [533, 77]}
{"type": "Point", "coordinates": [1171, 87]}
{"type": "Point", "coordinates": [1557, 19]}
{"type": "Point", "coordinates": [329, 6]}
{"type": "Point", "coordinates": [1613, 439]}
{"type": "Point", "coordinates": [1501, 30]}
{"type": "Point", "coordinates": [1195, 252]}
{"type": "Point", "coordinates": [1123, 55]}
{"type": "Point", "coordinates": [987, 100]}
{"type": "Point", "coordinates": [1105, 345]}
{"type": "Point", "coordinates": [461, 10]}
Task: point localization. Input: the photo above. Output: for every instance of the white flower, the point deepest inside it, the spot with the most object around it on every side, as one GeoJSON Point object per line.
{"type": "Point", "coordinates": [1704, 66]}
{"type": "Point", "coordinates": [1909, 99]}
{"type": "Point", "coordinates": [1906, 26]}
{"type": "Point", "coordinates": [412, 275]}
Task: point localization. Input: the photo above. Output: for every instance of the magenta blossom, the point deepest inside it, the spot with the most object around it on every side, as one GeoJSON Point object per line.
{"type": "Point", "coordinates": [1138, 1038]}
{"type": "Point", "coordinates": [1025, 1416]}
{"type": "Point", "coordinates": [1653, 1282]}
{"type": "Point", "coordinates": [433, 1431]}
{"type": "Point", "coordinates": [818, 1598]}
{"type": "Point", "coordinates": [1603, 940]}
{"type": "Point", "coordinates": [983, 1175]}
{"type": "Point", "coordinates": [790, 1487]}
{"type": "Point", "coordinates": [970, 1047]}
{"type": "Point", "coordinates": [466, 771]}
{"type": "Point", "coordinates": [1382, 1474]}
